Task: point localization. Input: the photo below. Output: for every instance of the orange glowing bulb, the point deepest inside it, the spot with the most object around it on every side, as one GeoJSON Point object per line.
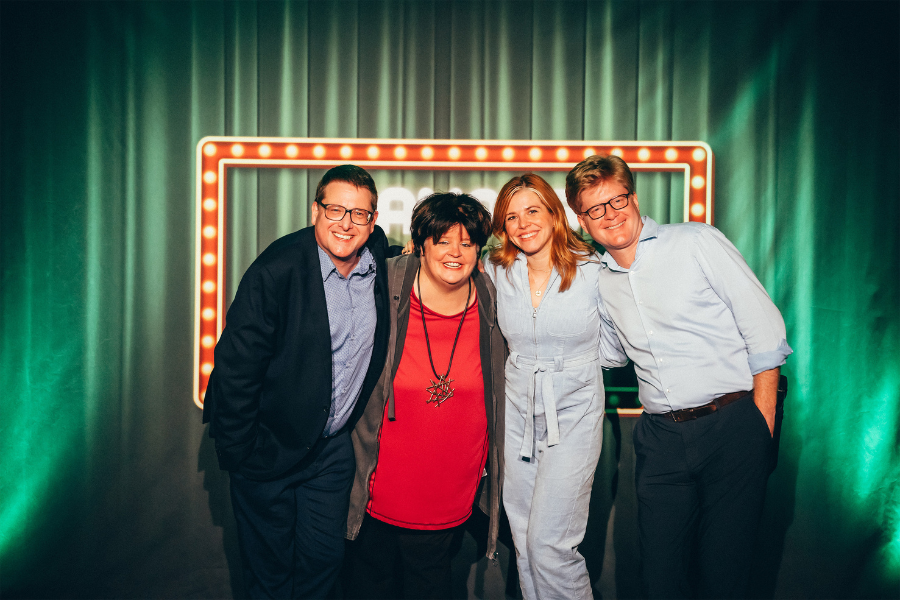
{"type": "Point", "coordinates": [209, 232]}
{"type": "Point", "coordinates": [209, 204]}
{"type": "Point", "coordinates": [562, 154]}
{"type": "Point", "coordinates": [208, 341]}
{"type": "Point", "coordinates": [209, 149]}
{"type": "Point", "coordinates": [427, 152]}
{"type": "Point", "coordinates": [292, 151]}
{"type": "Point", "coordinates": [209, 286]}
{"type": "Point", "coordinates": [209, 259]}
{"type": "Point", "coordinates": [208, 314]}
{"type": "Point", "coordinates": [508, 153]}
{"type": "Point", "coordinates": [372, 152]}
{"type": "Point", "coordinates": [671, 154]}
{"type": "Point", "coordinates": [209, 177]}
{"type": "Point", "coordinates": [237, 150]}
{"type": "Point", "coordinates": [697, 209]}
{"type": "Point", "coordinates": [265, 150]}
{"type": "Point", "coordinates": [399, 152]}
{"type": "Point", "coordinates": [644, 154]}
{"type": "Point", "coordinates": [589, 152]}
{"type": "Point", "coordinates": [319, 151]}
{"type": "Point", "coordinates": [698, 154]}
{"type": "Point", "coordinates": [617, 152]}
{"type": "Point", "coordinates": [206, 368]}
{"type": "Point", "coordinates": [454, 153]}
{"type": "Point", "coordinates": [481, 153]}
{"type": "Point", "coordinates": [534, 154]}
{"type": "Point", "coordinates": [346, 151]}
{"type": "Point", "coordinates": [697, 182]}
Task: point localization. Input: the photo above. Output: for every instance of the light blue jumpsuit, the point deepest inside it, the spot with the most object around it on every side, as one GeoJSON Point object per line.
{"type": "Point", "coordinates": [554, 421]}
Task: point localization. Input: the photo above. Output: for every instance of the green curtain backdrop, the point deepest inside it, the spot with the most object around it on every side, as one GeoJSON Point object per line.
{"type": "Point", "coordinates": [108, 487]}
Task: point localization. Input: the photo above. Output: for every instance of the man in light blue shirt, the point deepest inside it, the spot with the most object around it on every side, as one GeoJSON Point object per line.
{"type": "Point", "coordinates": [707, 344]}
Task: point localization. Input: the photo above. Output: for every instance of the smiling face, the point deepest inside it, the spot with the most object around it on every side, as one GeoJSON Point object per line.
{"type": "Point", "coordinates": [619, 231]}
{"type": "Point", "coordinates": [528, 223]}
{"type": "Point", "coordinates": [449, 262]}
{"type": "Point", "coordinates": [342, 240]}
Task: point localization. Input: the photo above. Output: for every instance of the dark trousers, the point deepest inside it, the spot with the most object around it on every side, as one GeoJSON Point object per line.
{"type": "Point", "coordinates": [291, 529]}
{"type": "Point", "coordinates": [388, 562]}
{"type": "Point", "coordinates": [700, 487]}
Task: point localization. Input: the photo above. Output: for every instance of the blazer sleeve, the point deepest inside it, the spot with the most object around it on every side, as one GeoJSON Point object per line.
{"type": "Point", "coordinates": [242, 358]}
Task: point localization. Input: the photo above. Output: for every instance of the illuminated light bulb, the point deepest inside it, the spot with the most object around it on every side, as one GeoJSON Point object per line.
{"type": "Point", "coordinates": [209, 232]}
{"type": "Point", "coordinates": [481, 153]}
{"type": "Point", "coordinates": [454, 153]}
{"type": "Point", "coordinates": [208, 341]}
{"type": "Point", "coordinates": [671, 154]}
{"type": "Point", "coordinates": [346, 151]}
{"type": "Point", "coordinates": [697, 182]}
{"type": "Point", "coordinates": [206, 368]}
{"type": "Point", "coordinates": [209, 204]}
{"type": "Point", "coordinates": [209, 149]}
{"type": "Point", "coordinates": [427, 152]}
{"type": "Point", "coordinates": [616, 152]}
{"type": "Point", "coordinates": [209, 286]}
{"type": "Point", "coordinates": [697, 209]}
{"type": "Point", "coordinates": [292, 151]}
{"type": "Point", "coordinates": [589, 152]}
{"type": "Point", "coordinates": [237, 150]}
{"type": "Point", "coordinates": [202, 395]}
{"type": "Point", "coordinates": [644, 154]}
{"type": "Point", "coordinates": [209, 259]}
{"type": "Point", "coordinates": [265, 150]}
{"type": "Point", "coordinates": [508, 153]}
{"type": "Point", "coordinates": [562, 154]}
{"type": "Point", "coordinates": [534, 154]}
{"type": "Point", "coordinates": [208, 314]}
{"type": "Point", "coordinates": [209, 177]}
{"type": "Point", "coordinates": [399, 152]}
{"type": "Point", "coordinates": [372, 152]}
{"type": "Point", "coordinates": [319, 151]}
{"type": "Point", "coordinates": [698, 154]}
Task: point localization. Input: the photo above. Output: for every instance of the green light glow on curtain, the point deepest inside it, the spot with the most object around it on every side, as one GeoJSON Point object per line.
{"type": "Point", "coordinates": [106, 485]}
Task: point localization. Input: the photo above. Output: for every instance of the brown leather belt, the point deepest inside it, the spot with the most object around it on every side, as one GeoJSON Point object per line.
{"type": "Point", "coordinates": [689, 414]}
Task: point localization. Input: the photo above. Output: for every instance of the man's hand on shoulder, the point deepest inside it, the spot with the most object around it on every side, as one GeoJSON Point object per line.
{"type": "Point", "coordinates": [765, 395]}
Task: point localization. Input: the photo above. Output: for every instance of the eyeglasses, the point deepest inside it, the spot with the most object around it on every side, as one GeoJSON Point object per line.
{"type": "Point", "coordinates": [597, 211]}
{"type": "Point", "coordinates": [336, 212]}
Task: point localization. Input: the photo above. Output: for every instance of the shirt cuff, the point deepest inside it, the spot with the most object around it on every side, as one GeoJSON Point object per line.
{"type": "Point", "coordinates": [765, 361]}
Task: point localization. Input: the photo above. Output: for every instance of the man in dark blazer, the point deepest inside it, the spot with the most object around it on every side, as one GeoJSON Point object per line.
{"type": "Point", "coordinates": [303, 347]}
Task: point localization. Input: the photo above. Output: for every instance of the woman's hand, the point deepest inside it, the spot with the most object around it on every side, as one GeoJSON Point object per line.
{"type": "Point", "coordinates": [408, 248]}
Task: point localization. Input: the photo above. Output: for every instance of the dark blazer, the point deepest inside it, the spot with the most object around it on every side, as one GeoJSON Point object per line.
{"type": "Point", "coordinates": [269, 394]}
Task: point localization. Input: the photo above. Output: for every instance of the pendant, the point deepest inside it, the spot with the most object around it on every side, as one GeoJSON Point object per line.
{"type": "Point", "coordinates": [537, 293]}
{"type": "Point", "coordinates": [439, 391]}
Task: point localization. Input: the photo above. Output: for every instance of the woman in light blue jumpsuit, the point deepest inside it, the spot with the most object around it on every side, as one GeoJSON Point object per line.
{"type": "Point", "coordinates": [559, 337]}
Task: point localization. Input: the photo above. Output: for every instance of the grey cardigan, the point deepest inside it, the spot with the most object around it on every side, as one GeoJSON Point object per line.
{"type": "Point", "coordinates": [401, 274]}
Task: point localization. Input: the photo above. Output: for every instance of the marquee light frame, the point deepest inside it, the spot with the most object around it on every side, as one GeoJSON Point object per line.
{"type": "Point", "coordinates": [216, 154]}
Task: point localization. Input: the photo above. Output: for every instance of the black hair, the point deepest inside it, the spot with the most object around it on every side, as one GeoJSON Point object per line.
{"type": "Point", "coordinates": [349, 174]}
{"type": "Point", "coordinates": [434, 215]}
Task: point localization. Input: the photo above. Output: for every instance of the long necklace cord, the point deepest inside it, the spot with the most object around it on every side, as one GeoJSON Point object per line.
{"type": "Point", "coordinates": [440, 390]}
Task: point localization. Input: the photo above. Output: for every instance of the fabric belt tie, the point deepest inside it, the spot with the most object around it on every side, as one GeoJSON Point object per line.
{"type": "Point", "coordinates": [543, 371]}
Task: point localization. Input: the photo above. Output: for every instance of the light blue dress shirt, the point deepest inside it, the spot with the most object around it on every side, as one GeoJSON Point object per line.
{"type": "Point", "coordinates": [351, 319]}
{"type": "Point", "coordinates": [692, 316]}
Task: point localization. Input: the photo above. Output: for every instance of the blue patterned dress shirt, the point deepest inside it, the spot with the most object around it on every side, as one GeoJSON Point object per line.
{"type": "Point", "coordinates": [351, 320]}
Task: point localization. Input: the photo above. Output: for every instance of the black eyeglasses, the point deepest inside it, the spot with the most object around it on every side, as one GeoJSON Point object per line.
{"type": "Point", "coordinates": [336, 212]}
{"type": "Point", "coordinates": [597, 211]}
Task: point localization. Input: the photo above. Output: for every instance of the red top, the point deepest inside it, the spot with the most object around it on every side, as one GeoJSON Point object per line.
{"type": "Point", "coordinates": [431, 458]}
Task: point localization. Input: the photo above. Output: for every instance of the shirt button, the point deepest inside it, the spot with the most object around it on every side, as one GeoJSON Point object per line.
{"type": "Point", "coordinates": [651, 332]}
{"type": "Point", "coordinates": [667, 390]}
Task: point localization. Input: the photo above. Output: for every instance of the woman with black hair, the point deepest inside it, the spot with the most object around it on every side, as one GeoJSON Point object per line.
{"type": "Point", "coordinates": [431, 440]}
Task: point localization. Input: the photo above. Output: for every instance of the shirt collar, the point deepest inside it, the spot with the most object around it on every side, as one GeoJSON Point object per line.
{"type": "Point", "coordinates": [365, 265]}
{"type": "Point", "coordinates": [649, 231]}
